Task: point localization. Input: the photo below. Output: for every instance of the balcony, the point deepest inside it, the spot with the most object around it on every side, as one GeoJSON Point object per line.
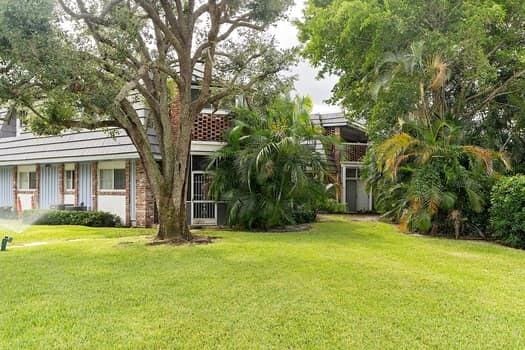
{"type": "Point", "coordinates": [353, 152]}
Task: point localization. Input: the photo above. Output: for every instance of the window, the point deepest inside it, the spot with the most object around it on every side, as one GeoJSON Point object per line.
{"type": "Point", "coordinates": [112, 179]}
{"type": "Point", "coordinates": [27, 180]}
{"type": "Point", "coordinates": [353, 173]}
{"type": "Point", "coordinates": [70, 179]}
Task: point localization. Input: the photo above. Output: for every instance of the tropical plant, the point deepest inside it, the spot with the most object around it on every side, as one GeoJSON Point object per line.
{"type": "Point", "coordinates": [85, 64]}
{"type": "Point", "coordinates": [269, 172]}
{"type": "Point", "coordinates": [481, 41]}
{"type": "Point", "coordinates": [425, 176]}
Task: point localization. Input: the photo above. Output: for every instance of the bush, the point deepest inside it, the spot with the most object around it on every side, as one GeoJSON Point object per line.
{"type": "Point", "coordinates": [508, 211]}
{"type": "Point", "coordinates": [304, 216]}
{"type": "Point", "coordinates": [65, 217]}
{"type": "Point", "coordinates": [7, 213]}
{"type": "Point", "coordinates": [332, 206]}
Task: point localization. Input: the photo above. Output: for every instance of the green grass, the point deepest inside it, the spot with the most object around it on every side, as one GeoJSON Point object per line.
{"type": "Point", "coordinates": [341, 285]}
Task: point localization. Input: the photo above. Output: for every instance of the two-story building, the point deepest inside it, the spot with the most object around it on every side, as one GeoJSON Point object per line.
{"type": "Point", "coordinates": [346, 160]}
{"type": "Point", "coordinates": [101, 170]}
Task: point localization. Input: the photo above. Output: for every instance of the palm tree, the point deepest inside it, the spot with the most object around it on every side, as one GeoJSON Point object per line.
{"type": "Point", "coordinates": [428, 176]}
{"type": "Point", "coordinates": [424, 175]}
{"type": "Point", "coordinates": [269, 172]}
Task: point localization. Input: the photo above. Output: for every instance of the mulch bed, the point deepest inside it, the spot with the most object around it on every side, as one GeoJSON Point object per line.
{"type": "Point", "coordinates": [197, 240]}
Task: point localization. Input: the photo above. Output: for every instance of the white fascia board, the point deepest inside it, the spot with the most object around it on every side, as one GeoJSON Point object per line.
{"type": "Point", "coordinates": [350, 164]}
{"type": "Point", "coordinates": [206, 147]}
{"type": "Point", "coordinates": [73, 159]}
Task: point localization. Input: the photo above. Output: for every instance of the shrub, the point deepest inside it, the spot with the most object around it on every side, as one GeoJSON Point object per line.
{"type": "Point", "coordinates": [332, 206]}
{"type": "Point", "coordinates": [508, 211]}
{"type": "Point", "coordinates": [304, 216]}
{"type": "Point", "coordinates": [65, 217]}
{"type": "Point", "coordinates": [269, 171]}
{"type": "Point", "coordinates": [7, 213]}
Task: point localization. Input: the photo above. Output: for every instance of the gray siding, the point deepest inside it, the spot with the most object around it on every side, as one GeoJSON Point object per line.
{"type": "Point", "coordinates": [72, 147]}
{"type": "Point", "coordinates": [84, 185]}
{"type": "Point", "coordinates": [7, 129]}
{"type": "Point", "coordinates": [6, 187]}
{"type": "Point", "coordinates": [48, 186]}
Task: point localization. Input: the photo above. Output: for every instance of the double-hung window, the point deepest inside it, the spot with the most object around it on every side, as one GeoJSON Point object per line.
{"type": "Point", "coordinates": [27, 178]}
{"type": "Point", "coordinates": [69, 177]}
{"type": "Point", "coordinates": [112, 176]}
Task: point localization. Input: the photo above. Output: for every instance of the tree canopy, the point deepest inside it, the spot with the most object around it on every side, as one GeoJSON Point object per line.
{"type": "Point", "coordinates": [482, 41]}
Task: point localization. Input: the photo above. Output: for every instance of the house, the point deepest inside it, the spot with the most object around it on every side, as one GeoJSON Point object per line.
{"type": "Point", "coordinates": [346, 160]}
{"type": "Point", "coordinates": [101, 170]}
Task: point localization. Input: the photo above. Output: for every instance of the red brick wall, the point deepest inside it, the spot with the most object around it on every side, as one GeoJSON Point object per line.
{"type": "Point", "coordinates": [144, 202]}
{"type": "Point", "coordinates": [206, 127]}
{"type": "Point", "coordinates": [210, 127]}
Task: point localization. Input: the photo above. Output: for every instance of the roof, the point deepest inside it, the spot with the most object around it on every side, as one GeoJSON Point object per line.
{"type": "Point", "coordinates": [335, 119]}
{"type": "Point", "coordinates": [86, 145]}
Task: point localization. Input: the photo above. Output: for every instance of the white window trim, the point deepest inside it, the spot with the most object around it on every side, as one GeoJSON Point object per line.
{"type": "Point", "coordinates": [19, 182]}
{"type": "Point", "coordinates": [73, 183]}
{"type": "Point", "coordinates": [99, 185]}
{"type": "Point", "coordinates": [357, 165]}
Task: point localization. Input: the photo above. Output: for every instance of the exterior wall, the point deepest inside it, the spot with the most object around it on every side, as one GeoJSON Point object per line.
{"type": "Point", "coordinates": [145, 204]}
{"type": "Point", "coordinates": [8, 129]}
{"type": "Point", "coordinates": [69, 196]}
{"type": "Point", "coordinates": [27, 199]}
{"type": "Point", "coordinates": [6, 192]}
{"type": "Point", "coordinates": [113, 201]}
{"type": "Point", "coordinates": [362, 200]}
{"type": "Point", "coordinates": [208, 127]}
{"type": "Point", "coordinates": [349, 153]}
{"type": "Point", "coordinates": [135, 205]}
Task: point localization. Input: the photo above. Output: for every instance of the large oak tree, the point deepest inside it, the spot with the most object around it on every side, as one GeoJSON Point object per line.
{"type": "Point", "coordinates": [85, 63]}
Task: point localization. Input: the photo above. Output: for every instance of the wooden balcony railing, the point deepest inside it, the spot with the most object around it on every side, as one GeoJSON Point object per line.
{"type": "Point", "coordinates": [353, 152]}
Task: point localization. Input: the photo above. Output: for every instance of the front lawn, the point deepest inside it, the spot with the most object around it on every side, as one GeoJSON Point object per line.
{"type": "Point", "coordinates": [341, 285]}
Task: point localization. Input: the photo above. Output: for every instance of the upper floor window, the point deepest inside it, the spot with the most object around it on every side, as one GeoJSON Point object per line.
{"type": "Point", "coordinates": [112, 176]}
{"type": "Point", "coordinates": [27, 178]}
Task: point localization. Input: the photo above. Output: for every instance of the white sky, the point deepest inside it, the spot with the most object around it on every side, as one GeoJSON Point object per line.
{"type": "Point", "coordinates": [306, 84]}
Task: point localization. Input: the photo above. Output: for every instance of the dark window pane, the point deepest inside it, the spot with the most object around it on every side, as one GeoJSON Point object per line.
{"type": "Point", "coordinates": [120, 179]}
{"type": "Point", "coordinates": [351, 173]}
{"type": "Point", "coordinates": [32, 180]}
{"type": "Point", "coordinates": [199, 163]}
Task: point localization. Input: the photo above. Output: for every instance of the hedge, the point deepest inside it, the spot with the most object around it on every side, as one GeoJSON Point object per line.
{"type": "Point", "coordinates": [7, 213]}
{"type": "Point", "coordinates": [507, 215]}
{"type": "Point", "coordinates": [66, 217]}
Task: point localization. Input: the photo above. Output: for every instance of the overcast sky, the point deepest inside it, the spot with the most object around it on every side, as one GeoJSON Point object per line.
{"type": "Point", "coordinates": [307, 84]}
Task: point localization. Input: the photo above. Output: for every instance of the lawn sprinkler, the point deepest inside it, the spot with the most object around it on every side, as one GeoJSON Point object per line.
{"type": "Point", "coordinates": [5, 240]}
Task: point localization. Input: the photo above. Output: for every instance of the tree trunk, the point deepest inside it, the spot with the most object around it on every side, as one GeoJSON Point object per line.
{"type": "Point", "coordinates": [172, 220]}
{"type": "Point", "coordinates": [172, 208]}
